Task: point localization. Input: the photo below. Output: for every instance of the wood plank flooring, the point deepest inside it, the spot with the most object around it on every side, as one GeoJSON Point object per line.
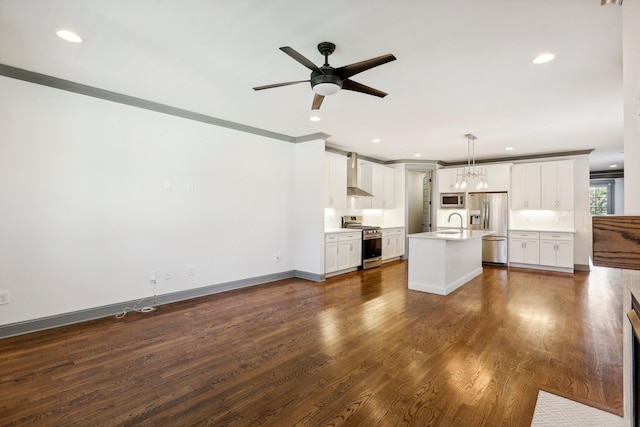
{"type": "Point", "coordinates": [357, 350]}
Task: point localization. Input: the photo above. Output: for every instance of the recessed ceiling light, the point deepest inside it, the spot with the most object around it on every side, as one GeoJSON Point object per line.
{"type": "Point", "coordinates": [543, 58]}
{"type": "Point", "coordinates": [376, 140]}
{"type": "Point", "coordinates": [417, 155]}
{"type": "Point", "coordinates": [508, 149]}
{"type": "Point", "coordinates": [69, 36]}
{"type": "Point", "coordinates": [613, 166]}
{"type": "Point", "coordinates": [314, 118]}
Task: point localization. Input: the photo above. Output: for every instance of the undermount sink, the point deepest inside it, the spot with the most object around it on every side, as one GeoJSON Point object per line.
{"type": "Point", "coordinates": [449, 232]}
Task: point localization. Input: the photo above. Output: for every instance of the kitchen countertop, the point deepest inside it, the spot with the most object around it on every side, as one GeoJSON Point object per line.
{"type": "Point", "coordinates": [342, 230]}
{"type": "Point", "coordinates": [446, 235]}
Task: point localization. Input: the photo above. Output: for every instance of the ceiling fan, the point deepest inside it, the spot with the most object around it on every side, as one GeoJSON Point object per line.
{"type": "Point", "coordinates": [327, 80]}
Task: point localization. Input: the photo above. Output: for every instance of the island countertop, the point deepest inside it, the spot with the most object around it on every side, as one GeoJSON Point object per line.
{"type": "Point", "coordinates": [452, 234]}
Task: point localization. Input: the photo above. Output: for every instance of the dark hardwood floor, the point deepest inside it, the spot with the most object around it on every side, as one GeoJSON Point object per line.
{"type": "Point", "coordinates": [357, 350]}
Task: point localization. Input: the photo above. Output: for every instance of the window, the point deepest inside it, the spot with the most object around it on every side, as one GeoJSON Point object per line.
{"type": "Point", "coordinates": [601, 196]}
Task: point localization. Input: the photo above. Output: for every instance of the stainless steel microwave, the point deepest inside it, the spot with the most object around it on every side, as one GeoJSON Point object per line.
{"type": "Point", "coordinates": [452, 201]}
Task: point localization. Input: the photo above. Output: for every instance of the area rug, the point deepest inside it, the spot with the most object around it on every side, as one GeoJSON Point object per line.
{"type": "Point", "coordinates": [556, 411]}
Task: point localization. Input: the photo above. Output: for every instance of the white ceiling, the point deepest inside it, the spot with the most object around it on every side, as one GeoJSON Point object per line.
{"type": "Point", "coordinates": [463, 66]}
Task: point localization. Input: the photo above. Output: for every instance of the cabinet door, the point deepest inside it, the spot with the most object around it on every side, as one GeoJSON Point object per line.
{"type": "Point", "coordinates": [335, 182]}
{"type": "Point", "coordinates": [564, 176]}
{"type": "Point", "coordinates": [343, 255]}
{"type": "Point", "coordinates": [387, 247]}
{"type": "Point", "coordinates": [516, 250]}
{"type": "Point", "coordinates": [532, 252]}
{"type": "Point", "coordinates": [355, 253]}
{"type": "Point", "coordinates": [548, 254]}
{"type": "Point", "coordinates": [331, 257]}
{"type": "Point", "coordinates": [557, 186]}
{"type": "Point", "coordinates": [398, 245]}
{"type": "Point", "coordinates": [532, 186]}
{"type": "Point", "coordinates": [564, 254]}
{"type": "Point", "coordinates": [525, 186]}
{"type": "Point", "coordinates": [549, 186]}
{"type": "Point", "coordinates": [498, 177]}
{"type": "Point", "coordinates": [389, 188]}
{"type": "Point", "coordinates": [446, 180]}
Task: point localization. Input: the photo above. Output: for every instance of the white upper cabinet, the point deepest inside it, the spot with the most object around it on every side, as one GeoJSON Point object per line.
{"type": "Point", "coordinates": [498, 179]}
{"type": "Point", "coordinates": [447, 181]}
{"type": "Point", "coordinates": [379, 181]}
{"type": "Point", "coordinates": [557, 185]}
{"type": "Point", "coordinates": [525, 186]}
{"type": "Point", "coordinates": [335, 182]}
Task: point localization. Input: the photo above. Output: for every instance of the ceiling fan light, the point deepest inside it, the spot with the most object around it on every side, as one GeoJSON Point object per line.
{"type": "Point", "coordinates": [326, 89]}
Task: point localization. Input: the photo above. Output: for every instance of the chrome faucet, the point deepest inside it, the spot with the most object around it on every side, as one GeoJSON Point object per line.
{"type": "Point", "coordinates": [456, 213]}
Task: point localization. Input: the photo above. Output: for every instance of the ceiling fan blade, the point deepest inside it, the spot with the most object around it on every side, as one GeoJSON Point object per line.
{"type": "Point", "coordinates": [301, 59]}
{"type": "Point", "coordinates": [317, 102]}
{"type": "Point", "coordinates": [353, 69]}
{"type": "Point", "coordinates": [280, 84]}
{"type": "Point", "coordinates": [359, 87]}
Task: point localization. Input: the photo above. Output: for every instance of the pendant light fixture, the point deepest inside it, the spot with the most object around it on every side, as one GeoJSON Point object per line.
{"type": "Point", "coordinates": [471, 172]}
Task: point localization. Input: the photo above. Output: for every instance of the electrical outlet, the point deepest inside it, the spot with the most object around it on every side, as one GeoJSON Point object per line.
{"type": "Point", "coordinates": [4, 297]}
{"type": "Point", "coordinates": [167, 274]}
{"type": "Point", "coordinates": [277, 255]}
{"type": "Point", "coordinates": [190, 270]}
{"type": "Point", "coordinates": [153, 277]}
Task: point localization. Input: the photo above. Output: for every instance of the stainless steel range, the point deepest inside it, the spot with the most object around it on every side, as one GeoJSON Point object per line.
{"type": "Point", "coordinates": [371, 241]}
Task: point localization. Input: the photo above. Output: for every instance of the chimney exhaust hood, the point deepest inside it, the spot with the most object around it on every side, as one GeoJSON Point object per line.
{"type": "Point", "coordinates": [352, 177]}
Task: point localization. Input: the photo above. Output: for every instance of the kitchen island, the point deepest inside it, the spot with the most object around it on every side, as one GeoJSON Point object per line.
{"type": "Point", "coordinates": [442, 261]}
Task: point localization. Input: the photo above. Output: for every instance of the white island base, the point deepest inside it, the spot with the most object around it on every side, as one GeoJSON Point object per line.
{"type": "Point", "coordinates": [440, 263]}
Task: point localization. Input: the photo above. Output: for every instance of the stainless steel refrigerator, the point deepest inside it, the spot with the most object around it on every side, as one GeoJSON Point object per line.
{"type": "Point", "coordinates": [490, 211]}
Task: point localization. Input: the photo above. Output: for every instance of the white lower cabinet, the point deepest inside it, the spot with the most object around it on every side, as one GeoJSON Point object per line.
{"type": "Point", "coordinates": [524, 247]}
{"type": "Point", "coordinates": [556, 249]}
{"type": "Point", "coordinates": [343, 251]}
{"type": "Point", "coordinates": [330, 253]}
{"type": "Point", "coordinates": [542, 250]}
{"type": "Point", "coordinates": [392, 243]}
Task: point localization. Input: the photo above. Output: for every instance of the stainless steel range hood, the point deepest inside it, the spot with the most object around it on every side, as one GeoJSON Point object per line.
{"type": "Point", "coordinates": [352, 177]}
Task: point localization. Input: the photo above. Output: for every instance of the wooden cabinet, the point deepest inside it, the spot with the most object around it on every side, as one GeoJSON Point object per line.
{"type": "Point", "coordinates": [557, 185]}
{"type": "Point", "coordinates": [525, 186]}
{"type": "Point", "coordinates": [335, 182]}
{"type": "Point", "coordinates": [392, 243]}
{"type": "Point", "coordinates": [342, 252]}
{"type": "Point", "coordinates": [379, 181]}
{"type": "Point", "coordinates": [556, 249]}
{"type": "Point", "coordinates": [524, 247]}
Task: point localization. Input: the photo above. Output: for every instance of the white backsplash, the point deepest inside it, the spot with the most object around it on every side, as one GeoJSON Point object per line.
{"type": "Point", "coordinates": [540, 219]}
{"type": "Point", "coordinates": [442, 217]}
{"type": "Point", "coordinates": [333, 217]}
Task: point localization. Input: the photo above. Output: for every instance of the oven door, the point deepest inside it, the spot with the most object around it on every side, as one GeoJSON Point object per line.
{"type": "Point", "coordinates": [371, 252]}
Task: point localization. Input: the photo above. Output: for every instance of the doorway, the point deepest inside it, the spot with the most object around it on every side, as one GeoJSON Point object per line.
{"type": "Point", "coordinates": [419, 194]}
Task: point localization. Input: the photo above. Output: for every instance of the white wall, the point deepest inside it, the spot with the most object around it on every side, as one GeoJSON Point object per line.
{"type": "Point", "coordinates": [631, 79]}
{"type": "Point", "coordinates": [94, 195]}
{"type": "Point", "coordinates": [307, 217]}
{"type": "Point", "coordinates": [618, 208]}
